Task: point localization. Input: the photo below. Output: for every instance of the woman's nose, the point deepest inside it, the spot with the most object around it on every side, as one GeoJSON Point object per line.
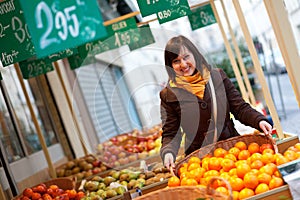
{"type": "Point", "coordinates": [183, 63]}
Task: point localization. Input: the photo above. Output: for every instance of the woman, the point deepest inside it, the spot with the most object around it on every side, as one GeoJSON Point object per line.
{"type": "Point", "coordinates": [198, 101]}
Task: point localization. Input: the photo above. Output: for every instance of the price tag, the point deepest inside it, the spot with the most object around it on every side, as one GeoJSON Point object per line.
{"type": "Point", "coordinates": [120, 33]}
{"type": "Point", "coordinates": [61, 54]}
{"type": "Point", "coordinates": [56, 25]}
{"type": "Point", "coordinates": [145, 38]}
{"type": "Point", "coordinates": [171, 10]}
{"type": "Point", "coordinates": [35, 68]}
{"type": "Point", "coordinates": [15, 39]}
{"type": "Point", "coordinates": [149, 7]}
{"type": "Point", "coordinates": [201, 17]}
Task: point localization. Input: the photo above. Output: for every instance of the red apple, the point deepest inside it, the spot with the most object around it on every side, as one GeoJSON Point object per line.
{"type": "Point", "coordinates": [96, 170]}
{"type": "Point", "coordinates": [25, 198]}
{"type": "Point", "coordinates": [27, 192]}
{"type": "Point", "coordinates": [36, 196]}
{"type": "Point", "coordinates": [57, 192]}
{"type": "Point", "coordinates": [71, 193]}
{"type": "Point", "coordinates": [47, 197]}
{"type": "Point", "coordinates": [79, 195]}
{"type": "Point", "coordinates": [62, 197]}
{"type": "Point", "coordinates": [40, 189]}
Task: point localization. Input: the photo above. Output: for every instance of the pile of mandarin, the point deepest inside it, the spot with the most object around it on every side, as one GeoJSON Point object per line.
{"type": "Point", "coordinates": [249, 169]}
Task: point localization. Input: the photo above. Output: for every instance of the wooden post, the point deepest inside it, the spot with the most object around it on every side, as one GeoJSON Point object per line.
{"type": "Point", "coordinates": [230, 54]}
{"type": "Point", "coordinates": [71, 108]}
{"type": "Point", "coordinates": [36, 124]}
{"type": "Point", "coordinates": [239, 57]}
{"type": "Point", "coordinates": [258, 69]}
{"type": "Point", "coordinates": [286, 41]}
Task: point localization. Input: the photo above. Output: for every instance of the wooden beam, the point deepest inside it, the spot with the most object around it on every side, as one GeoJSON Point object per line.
{"type": "Point", "coordinates": [282, 28]}
{"type": "Point", "coordinates": [258, 68]}
{"type": "Point", "coordinates": [123, 17]}
{"type": "Point", "coordinates": [230, 53]}
{"type": "Point", "coordinates": [71, 108]}
{"type": "Point", "coordinates": [239, 57]}
{"type": "Point", "coordinates": [35, 122]}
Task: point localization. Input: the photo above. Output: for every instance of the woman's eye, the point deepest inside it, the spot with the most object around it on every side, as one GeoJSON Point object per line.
{"type": "Point", "coordinates": [186, 57]}
{"type": "Point", "coordinates": [176, 61]}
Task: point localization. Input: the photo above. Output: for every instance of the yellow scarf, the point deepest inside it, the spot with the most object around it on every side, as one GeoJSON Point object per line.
{"type": "Point", "coordinates": [194, 84]}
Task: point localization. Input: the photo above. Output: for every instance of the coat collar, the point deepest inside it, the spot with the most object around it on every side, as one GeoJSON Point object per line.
{"type": "Point", "coordinates": [174, 94]}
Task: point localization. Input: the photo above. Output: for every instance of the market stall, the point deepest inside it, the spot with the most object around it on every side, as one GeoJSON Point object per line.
{"type": "Point", "coordinates": [129, 165]}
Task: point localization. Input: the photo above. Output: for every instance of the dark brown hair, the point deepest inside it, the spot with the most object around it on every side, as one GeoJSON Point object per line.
{"type": "Point", "coordinates": [172, 51]}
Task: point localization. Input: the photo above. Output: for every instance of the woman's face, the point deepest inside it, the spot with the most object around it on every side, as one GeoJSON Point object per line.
{"type": "Point", "coordinates": [184, 64]}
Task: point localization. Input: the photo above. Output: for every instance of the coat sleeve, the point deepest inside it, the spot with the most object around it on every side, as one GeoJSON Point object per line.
{"type": "Point", "coordinates": [171, 135]}
{"type": "Point", "coordinates": [241, 110]}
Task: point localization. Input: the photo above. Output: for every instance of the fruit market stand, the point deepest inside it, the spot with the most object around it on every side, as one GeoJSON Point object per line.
{"type": "Point", "coordinates": [134, 177]}
{"type": "Point", "coordinates": [130, 150]}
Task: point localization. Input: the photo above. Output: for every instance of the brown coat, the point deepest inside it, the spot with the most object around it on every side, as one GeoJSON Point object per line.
{"type": "Point", "coordinates": [182, 109]}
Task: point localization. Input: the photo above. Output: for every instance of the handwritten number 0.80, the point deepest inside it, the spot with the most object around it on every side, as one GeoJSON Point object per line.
{"type": "Point", "coordinates": [164, 14]}
{"type": "Point", "coordinates": [61, 19]}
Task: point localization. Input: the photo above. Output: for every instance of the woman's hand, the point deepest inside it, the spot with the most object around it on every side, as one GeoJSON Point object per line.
{"type": "Point", "coordinates": [266, 127]}
{"type": "Point", "coordinates": [169, 161]}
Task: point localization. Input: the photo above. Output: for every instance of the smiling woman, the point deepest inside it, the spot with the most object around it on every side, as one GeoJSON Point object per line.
{"type": "Point", "coordinates": [197, 101]}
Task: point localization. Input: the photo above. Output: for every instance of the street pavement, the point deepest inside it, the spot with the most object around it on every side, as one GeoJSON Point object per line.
{"type": "Point", "coordinates": [286, 103]}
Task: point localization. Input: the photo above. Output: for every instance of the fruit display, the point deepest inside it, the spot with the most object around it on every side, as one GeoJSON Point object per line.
{"type": "Point", "coordinates": [81, 167]}
{"type": "Point", "coordinates": [250, 169]}
{"type": "Point", "coordinates": [129, 147]}
{"type": "Point", "coordinates": [50, 192]}
{"type": "Point", "coordinates": [118, 182]}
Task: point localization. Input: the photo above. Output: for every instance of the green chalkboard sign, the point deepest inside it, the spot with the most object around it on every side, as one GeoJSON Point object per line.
{"type": "Point", "coordinates": [201, 17]}
{"type": "Point", "coordinates": [62, 54]}
{"type": "Point", "coordinates": [120, 33]}
{"type": "Point", "coordinates": [149, 7]}
{"type": "Point", "coordinates": [35, 68]}
{"type": "Point", "coordinates": [171, 10]}
{"type": "Point", "coordinates": [56, 25]}
{"type": "Point", "coordinates": [15, 40]}
{"type": "Point", "coordinates": [145, 38]}
{"type": "Point", "coordinates": [121, 26]}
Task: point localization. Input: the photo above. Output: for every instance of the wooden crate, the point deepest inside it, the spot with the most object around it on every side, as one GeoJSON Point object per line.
{"type": "Point", "coordinates": [149, 160]}
{"type": "Point", "coordinates": [281, 193]}
{"type": "Point", "coordinates": [289, 140]}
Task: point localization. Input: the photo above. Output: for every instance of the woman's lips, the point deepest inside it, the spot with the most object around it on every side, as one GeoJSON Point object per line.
{"type": "Point", "coordinates": [186, 69]}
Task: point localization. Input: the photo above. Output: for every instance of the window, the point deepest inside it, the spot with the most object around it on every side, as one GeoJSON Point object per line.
{"type": "Point", "coordinates": [19, 135]}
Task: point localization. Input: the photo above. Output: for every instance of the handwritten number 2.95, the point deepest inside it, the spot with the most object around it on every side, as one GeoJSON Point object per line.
{"type": "Point", "coordinates": [60, 23]}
